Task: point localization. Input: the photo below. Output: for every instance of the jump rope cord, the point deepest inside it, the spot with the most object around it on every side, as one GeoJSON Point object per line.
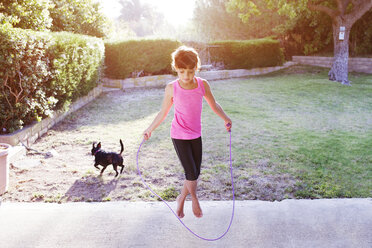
{"type": "Point", "coordinates": [233, 192]}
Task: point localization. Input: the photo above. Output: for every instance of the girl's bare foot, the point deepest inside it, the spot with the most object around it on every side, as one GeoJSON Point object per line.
{"type": "Point", "coordinates": [196, 208]}
{"type": "Point", "coordinates": [180, 204]}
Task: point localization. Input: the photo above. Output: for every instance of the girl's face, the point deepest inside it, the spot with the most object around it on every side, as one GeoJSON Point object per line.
{"type": "Point", "coordinates": [186, 75]}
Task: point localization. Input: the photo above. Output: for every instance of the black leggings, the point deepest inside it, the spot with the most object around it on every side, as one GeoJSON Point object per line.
{"type": "Point", "coordinates": [190, 154]}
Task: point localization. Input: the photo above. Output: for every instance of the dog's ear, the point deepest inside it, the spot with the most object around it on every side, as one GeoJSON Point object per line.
{"type": "Point", "coordinates": [94, 144]}
{"type": "Point", "coordinates": [99, 145]}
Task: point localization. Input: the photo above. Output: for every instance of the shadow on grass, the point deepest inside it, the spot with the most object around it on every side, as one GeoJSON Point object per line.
{"type": "Point", "coordinates": [91, 189]}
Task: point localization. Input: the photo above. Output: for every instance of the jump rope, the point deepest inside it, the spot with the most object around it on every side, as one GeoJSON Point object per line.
{"type": "Point", "coordinates": [195, 234]}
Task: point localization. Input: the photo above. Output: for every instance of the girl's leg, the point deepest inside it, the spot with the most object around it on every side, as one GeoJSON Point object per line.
{"type": "Point", "coordinates": [191, 186]}
{"type": "Point", "coordinates": [181, 200]}
{"type": "Point", "coordinates": [189, 153]}
{"type": "Point", "coordinates": [196, 146]}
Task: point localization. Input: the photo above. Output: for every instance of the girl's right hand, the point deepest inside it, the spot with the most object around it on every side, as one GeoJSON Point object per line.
{"type": "Point", "coordinates": [146, 134]}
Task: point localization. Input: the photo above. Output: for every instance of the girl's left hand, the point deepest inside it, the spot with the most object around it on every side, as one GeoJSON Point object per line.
{"type": "Point", "coordinates": [228, 125]}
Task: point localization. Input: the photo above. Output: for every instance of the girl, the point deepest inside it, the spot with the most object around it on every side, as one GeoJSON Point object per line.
{"type": "Point", "coordinates": [186, 93]}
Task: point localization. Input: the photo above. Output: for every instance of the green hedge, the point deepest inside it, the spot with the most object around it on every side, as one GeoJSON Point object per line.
{"type": "Point", "coordinates": [142, 57]}
{"type": "Point", "coordinates": [247, 54]}
{"type": "Point", "coordinates": [76, 63]}
{"type": "Point", "coordinates": [151, 57]}
{"type": "Point", "coordinates": [41, 72]}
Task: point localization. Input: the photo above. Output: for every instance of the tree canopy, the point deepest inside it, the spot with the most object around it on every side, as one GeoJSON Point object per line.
{"type": "Point", "coordinates": [352, 9]}
{"type": "Point", "coordinates": [77, 16]}
{"type": "Point", "coordinates": [215, 23]}
{"type": "Point", "coordinates": [343, 14]}
{"type": "Point", "coordinates": [142, 18]}
{"type": "Point", "coordinates": [26, 14]}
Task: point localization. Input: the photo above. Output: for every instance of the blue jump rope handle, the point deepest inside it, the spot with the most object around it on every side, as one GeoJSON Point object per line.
{"type": "Point", "coordinates": [229, 125]}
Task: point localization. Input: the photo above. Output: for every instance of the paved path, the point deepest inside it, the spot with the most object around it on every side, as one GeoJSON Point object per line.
{"type": "Point", "coordinates": [289, 223]}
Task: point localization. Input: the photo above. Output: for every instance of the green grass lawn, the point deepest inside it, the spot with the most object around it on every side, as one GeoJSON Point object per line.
{"type": "Point", "coordinates": [297, 122]}
{"type": "Point", "coordinates": [295, 135]}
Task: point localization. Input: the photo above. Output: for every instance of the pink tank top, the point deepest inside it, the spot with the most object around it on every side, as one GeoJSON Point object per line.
{"type": "Point", "coordinates": [188, 105]}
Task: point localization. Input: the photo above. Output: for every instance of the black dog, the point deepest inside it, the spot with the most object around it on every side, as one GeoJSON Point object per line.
{"type": "Point", "coordinates": [106, 158]}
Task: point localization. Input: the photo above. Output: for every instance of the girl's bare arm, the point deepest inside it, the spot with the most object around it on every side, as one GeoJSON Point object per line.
{"type": "Point", "coordinates": [215, 106]}
{"type": "Point", "coordinates": [165, 108]}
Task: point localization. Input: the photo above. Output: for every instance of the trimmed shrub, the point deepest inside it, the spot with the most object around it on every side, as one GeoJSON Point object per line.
{"type": "Point", "coordinates": [41, 72]}
{"type": "Point", "coordinates": [75, 64]}
{"type": "Point", "coordinates": [139, 57]}
{"type": "Point", "coordinates": [23, 74]}
{"type": "Point", "coordinates": [246, 54]}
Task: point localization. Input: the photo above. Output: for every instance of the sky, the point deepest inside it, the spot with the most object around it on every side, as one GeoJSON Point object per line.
{"type": "Point", "coordinates": [175, 11]}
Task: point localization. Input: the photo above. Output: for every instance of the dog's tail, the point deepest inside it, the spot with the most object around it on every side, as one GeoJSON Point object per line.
{"type": "Point", "coordinates": [122, 147]}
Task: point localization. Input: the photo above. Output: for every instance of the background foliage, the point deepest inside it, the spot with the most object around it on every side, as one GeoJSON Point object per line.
{"type": "Point", "coordinates": [77, 16]}
{"type": "Point", "coordinates": [361, 36]}
{"type": "Point", "coordinates": [138, 57]}
{"type": "Point", "coordinates": [76, 62]}
{"type": "Point", "coordinates": [41, 72]}
{"type": "Point", "coordinates": [80, 16]}
{"type": "Point", "coordinates": [311, 33]}
{"type": "Point", "coordinates": [306, 31]}
{"type": "Point", "coordinates": [26, 14]}
{"type": "Point", "coordinates": [142, 18]}
{"type": "Point", "coordinates": [23, 72]}
{"type": "Point", "coordinates": [247, 54]}
{"type": "Point", "coordinates": [214, 22]}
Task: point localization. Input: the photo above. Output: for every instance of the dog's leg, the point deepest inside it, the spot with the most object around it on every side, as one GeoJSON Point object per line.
{"type": "Point", "coordinates": [96, 165]}
{"type": "Point", "coordinates": [103, 169]}
{"type": "Point", "coordinates": [116, 169]}
{"type": "Point", "coordinates": [122, 168]}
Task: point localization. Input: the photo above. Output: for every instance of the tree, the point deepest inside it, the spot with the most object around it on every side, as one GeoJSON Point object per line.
{"type": "Point", "coordinates": [142, 18]}
{"type": "Point", "coordinates": [361, 36]}
{"type": "Point", "coordinates": [80, 16]}
{"type": "Point", "coordinates": [214, 22]}
{"type": "Point", "coordinates": [77, 16]}
{"type": "Point", "coordinates": [308, 33]}
{"type": "Point", "coordinates": [133, 10]}
{"type": "Point", "coordinates": [26, 14]}
{"type": "Point", "coordinates": [343, 13]}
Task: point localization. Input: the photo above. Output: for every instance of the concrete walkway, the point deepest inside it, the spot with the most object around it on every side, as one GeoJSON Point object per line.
{"type": "Point", "coordinates": [289, 223]}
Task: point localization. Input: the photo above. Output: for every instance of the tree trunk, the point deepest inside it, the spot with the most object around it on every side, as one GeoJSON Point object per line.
{"type": "Point", "coordinates": [342, 17]}
{"type": "Point", "coordinates": [339, 70]}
